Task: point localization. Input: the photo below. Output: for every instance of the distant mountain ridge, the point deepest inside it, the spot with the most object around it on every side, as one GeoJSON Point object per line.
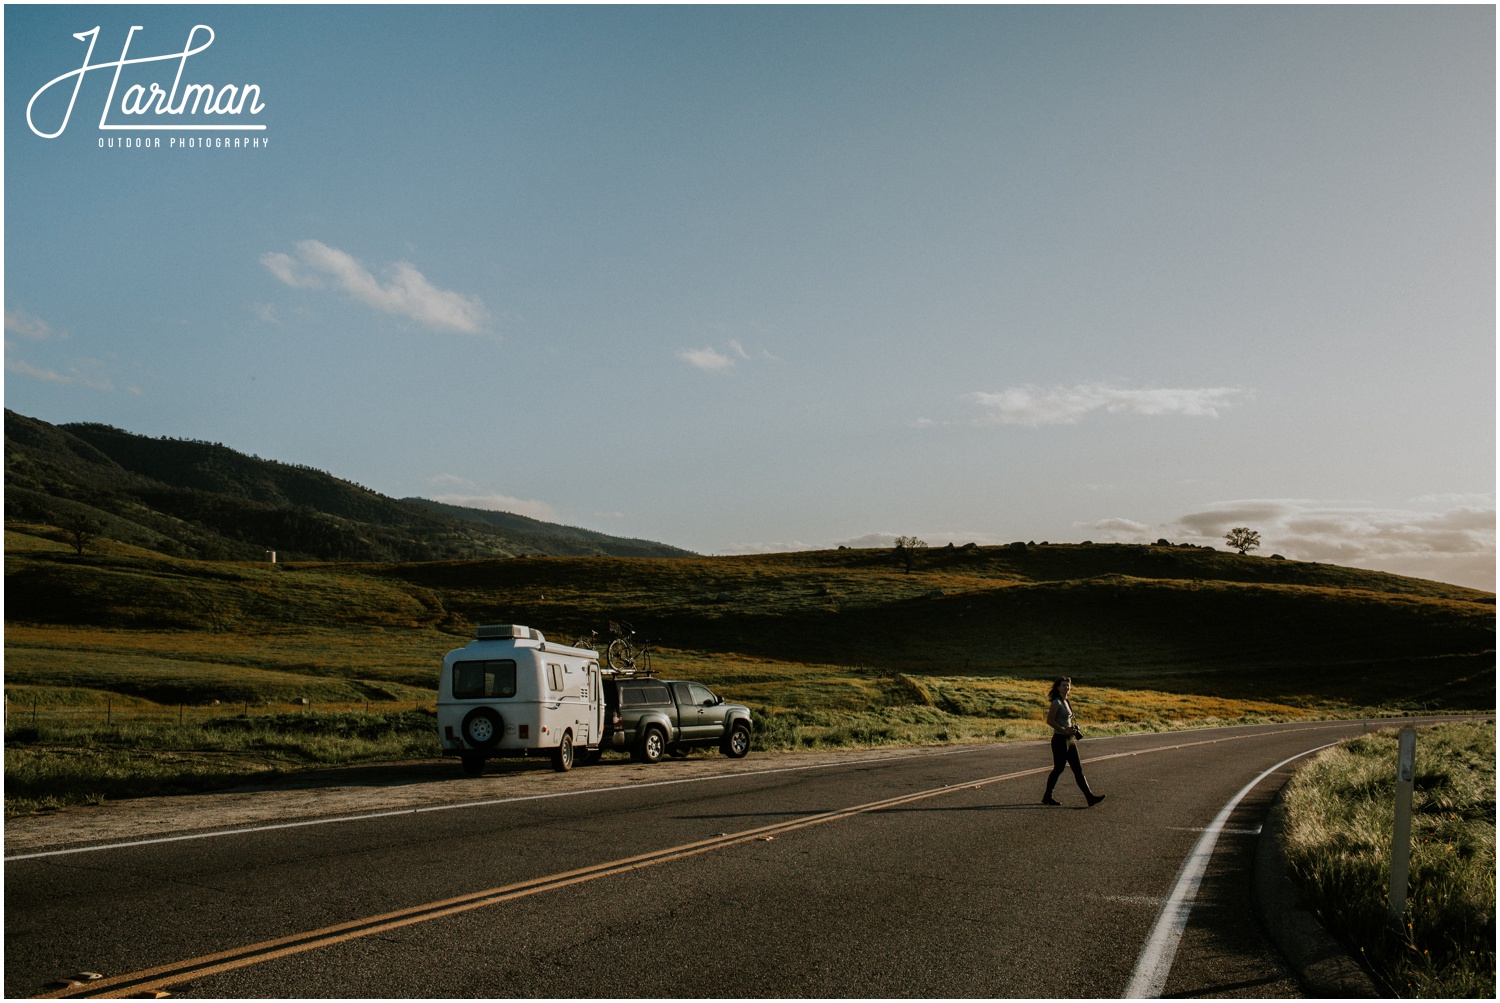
{"type": "Point", "coordinates": [191, 498]}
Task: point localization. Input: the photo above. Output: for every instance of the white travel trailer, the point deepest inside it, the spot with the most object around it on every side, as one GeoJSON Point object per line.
{"type": "Point", "coordinates": [511, 692]}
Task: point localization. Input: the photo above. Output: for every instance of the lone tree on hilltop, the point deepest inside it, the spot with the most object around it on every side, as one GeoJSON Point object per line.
{"type": "Point", "coordinates": [1242, 538]}
{"type": "Point", "coordinates": [81, 531]}
{"type": "Point", "coordinates": [907, 548]}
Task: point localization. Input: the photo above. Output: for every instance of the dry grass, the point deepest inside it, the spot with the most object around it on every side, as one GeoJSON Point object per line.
{"type": "Point", "coordinates": [1340, 818]}
{"type": "Point", "coordinates": [88, 746]}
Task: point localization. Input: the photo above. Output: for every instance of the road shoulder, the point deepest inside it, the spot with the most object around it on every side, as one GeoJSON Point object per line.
{"type": "Point", "coordinates": [1321, 962]}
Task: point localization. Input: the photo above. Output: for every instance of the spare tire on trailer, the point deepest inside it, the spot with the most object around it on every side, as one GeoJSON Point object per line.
{"type": "Point", "coordinates": [482, 727]}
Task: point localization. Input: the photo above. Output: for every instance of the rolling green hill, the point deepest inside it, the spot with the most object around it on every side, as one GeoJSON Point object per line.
{"type": "Point", "coordinates": [187, 498]}
{"type": "Point", "coordinates": [1185, 620]}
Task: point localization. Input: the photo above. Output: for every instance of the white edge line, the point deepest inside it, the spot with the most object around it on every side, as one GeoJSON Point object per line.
{"type": "Point", "coordinates": [470, 804]}
{"type": "Point", "coordinates": [1156, 957]}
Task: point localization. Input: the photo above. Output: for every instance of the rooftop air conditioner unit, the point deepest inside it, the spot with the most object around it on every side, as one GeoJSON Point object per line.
{"type": "Point", "coordinates": [505, 631]}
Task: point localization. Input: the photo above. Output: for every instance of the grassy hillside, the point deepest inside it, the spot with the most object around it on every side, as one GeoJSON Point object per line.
{"type": "Point", "coordinates": [1192, 620]}
{"type": "Point", "coordinates": [188, 498]}
{"type": "Point", "coordinates": [829, 648]}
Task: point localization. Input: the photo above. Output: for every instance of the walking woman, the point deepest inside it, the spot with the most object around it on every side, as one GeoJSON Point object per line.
{"type": "Point", "coordinates": [1064, 749]}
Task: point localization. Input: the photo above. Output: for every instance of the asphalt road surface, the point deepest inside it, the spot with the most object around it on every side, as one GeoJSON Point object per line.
{"type": "Point", "coordinates": [936, 874]}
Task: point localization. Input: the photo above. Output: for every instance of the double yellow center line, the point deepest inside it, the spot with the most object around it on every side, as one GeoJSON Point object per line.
{"type": "Point", "coordinates": [162, 976]}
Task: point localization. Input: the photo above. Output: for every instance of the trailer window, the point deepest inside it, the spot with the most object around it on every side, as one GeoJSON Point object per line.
{"type": "Point", "coordinates": [554, 677]}
{"type": "Point", "coordinates": [479, 680]}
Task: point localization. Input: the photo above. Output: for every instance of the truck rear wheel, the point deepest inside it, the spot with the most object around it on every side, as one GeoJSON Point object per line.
{"type": "Point", "coordinates": [737, 742]}
{"type": "Point", "coordinates": [473, 763]}
{"type": "Point", "coordinates": [653, 745]}
{"type": "Point", "coordinates": [562, 756]}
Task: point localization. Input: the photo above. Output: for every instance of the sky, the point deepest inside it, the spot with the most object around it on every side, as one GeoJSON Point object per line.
{"type": "Point", "coordinates": [784, 278]}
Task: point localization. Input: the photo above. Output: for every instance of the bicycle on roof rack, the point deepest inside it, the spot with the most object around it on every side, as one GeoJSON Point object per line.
{"type": "Point", "coordinates": [623, 653]}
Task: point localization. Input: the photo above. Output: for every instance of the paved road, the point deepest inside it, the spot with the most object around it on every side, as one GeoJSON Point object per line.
{"type": "Point", "coordinates": [959, 884]}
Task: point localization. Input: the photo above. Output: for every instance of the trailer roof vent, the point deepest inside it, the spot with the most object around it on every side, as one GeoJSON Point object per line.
{"type": "Point", "coordinates": [506, 631]}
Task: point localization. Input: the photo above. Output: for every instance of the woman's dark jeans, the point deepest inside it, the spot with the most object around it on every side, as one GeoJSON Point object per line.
{"type": "Point", "coordinates": [1065, 753]}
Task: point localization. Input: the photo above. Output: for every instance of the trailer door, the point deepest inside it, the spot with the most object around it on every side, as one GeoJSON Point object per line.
{"type": "Point", "coordinates": [596, 703]}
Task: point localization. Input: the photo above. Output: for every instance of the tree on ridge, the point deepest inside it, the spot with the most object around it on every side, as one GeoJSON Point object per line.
{"type": "Point", "coordinates": [1242, 538]}
{"type": "Point", "coordinates": [907, 548]}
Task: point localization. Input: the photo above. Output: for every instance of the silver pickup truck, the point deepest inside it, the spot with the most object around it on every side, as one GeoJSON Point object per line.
{"type": "Point", "coordinates": [654, 717]}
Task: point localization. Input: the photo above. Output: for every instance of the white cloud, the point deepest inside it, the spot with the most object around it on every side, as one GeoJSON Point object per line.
{"type": "Point", "coordinates": [470, 495]}
{"type": "Point", "coordinates": [710, 360]}
{"type": "Point", "coordinates": [1123, 527]}
{"type": "Point", "coordinates": [495, 502]}
{"type": "Point", "coordinates": [407, 293]}
{"type": "Point", "coordinates": [1454, 544]}
{"type": "Point", "coordinates": [84, 373]}
{"type": "Point", "coordinates": [288, 270]}
{"type": "Point", "coordinates": [1030, 405]}
{"type": "Point", "coordinates": [769, 548]}
{"type": "Point", "coordinates": [27, 326]}
{"type": "Point", "coordinates": [1452, 499]}
{"type": "Point", "coordinates": [265, 312]}
{"type": "Point", "coordinates": [939, 538]}
{"type": "Point", "coordinates": [715, 360]}
{"type": "Point", "coordinates": [35, 372]}
{"type": "Point", "coordinates": [872, 540]}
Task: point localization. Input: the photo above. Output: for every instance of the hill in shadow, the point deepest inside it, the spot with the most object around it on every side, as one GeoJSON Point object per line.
{"type": "Point", "coordinates": [189, 498]}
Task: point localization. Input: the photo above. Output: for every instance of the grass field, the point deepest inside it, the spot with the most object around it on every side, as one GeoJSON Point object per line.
{"type": "Point", "coordinates": [835, 648]}
{"type": "Point", "coordinates": [1340, 817]}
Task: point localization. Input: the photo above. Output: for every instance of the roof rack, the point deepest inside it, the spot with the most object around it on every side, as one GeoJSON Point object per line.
{"type": "Point", "coordinates": [606, 670]}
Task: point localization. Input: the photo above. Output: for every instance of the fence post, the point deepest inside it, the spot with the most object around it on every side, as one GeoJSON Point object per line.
{"type": "Point", "coordinates": [1401, 838]}
{"type": "Point", "coordinates": [109, 709]}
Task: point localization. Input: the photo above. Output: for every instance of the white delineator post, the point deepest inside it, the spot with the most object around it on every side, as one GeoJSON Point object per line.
{"type": "Point", "coordinates": [1401, 839]}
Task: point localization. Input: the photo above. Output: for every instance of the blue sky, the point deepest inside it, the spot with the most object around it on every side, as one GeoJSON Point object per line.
{"type": "Point", "coordinates": [748, 279]}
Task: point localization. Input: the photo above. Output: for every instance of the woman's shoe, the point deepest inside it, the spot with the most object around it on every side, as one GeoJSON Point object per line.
{"type": "Point", "coordinates": [1094, 799]}
{"type": "Point", "coordinates": [1049, 799]}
